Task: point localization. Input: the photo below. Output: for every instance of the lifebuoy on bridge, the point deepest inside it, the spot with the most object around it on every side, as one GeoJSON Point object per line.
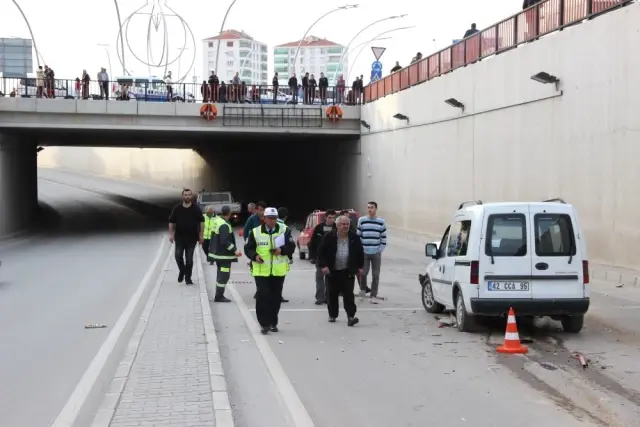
{"type": "Point", "coordinates": [208, 112]}
{"type": "Point", "coordinates": [334, 113]}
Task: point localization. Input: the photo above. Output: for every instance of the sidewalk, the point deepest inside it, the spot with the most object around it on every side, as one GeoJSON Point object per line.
{"type": "Point", "coordinates": [171, 373]}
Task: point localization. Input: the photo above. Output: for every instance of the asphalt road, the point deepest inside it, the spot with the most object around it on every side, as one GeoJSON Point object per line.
{"type": "Point", "coordinates": [398, 368]}
{"type": "Point", "coordinates": [83, 270]}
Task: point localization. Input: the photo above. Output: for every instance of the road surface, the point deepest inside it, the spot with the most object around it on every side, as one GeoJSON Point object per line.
{"type": "Point", "coordinates": [82, 271]}
{"type": "Point", "coordinates": [396, 368]}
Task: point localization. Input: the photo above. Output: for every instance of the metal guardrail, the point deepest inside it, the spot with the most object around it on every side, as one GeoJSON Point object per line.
{"type": "Point", "coordinates": [250, 116]}
{"type": "Point", "coordinates": [543, 18]}
{"type": "Point", "coordinates": [157, 91]}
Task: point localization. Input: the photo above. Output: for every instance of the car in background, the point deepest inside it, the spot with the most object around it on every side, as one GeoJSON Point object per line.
{"type": "Point", "coordinates": [314, 218]}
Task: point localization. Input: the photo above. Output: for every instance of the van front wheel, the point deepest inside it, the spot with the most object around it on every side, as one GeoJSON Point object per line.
{"type": "Point", "coordinates": [428, 300]}
{"type": "Point", "coordinates": [465, 322]}
{"type": "Point", "coordinates": [573, 324]}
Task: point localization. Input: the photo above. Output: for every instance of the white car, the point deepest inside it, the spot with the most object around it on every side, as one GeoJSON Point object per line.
{"type": "Point", "coordinates": [529, 256]}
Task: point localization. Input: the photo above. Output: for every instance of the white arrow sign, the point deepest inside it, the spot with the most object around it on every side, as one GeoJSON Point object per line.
{"type": "Point", "coordinates": [378, 51]}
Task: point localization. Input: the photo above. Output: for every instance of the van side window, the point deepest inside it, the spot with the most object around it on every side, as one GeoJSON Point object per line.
{"type": "Point", "coordinates": [554, 235]}
{"type": "Point", "coordinates": [458, 238]}
{"type": "Point", "coordinates": [506, 235]}
{"type": "Point", "coordinates": [442, 249]}
{"type": "Point", "coordinates": [308, 221]}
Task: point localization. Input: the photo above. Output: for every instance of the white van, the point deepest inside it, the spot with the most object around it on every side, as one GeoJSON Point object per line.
{"type": "Point", "coordinates": [530, 256]}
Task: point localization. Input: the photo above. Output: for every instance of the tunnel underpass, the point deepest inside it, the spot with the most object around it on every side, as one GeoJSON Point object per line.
{"type": "Point", "coordinates": [300, 171]}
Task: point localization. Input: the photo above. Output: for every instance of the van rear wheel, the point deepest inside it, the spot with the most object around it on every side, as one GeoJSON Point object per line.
{"type": "Point", "coordinates": [465, 322]}
{"type": "Point", "coordinates": [573, 324]}
{"type": "Point", "coordinates": [428, 300]}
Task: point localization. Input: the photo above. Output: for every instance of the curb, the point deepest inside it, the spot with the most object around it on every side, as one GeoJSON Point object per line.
{"type": "Point", "coordinates": [220, 395]}
{"type": "Point", "coordinates": [110, 402]}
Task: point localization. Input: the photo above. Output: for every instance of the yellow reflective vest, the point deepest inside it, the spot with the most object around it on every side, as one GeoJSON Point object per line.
{"type": "Point", "coordinates": [209, 222]}
{"type": "Point", "coordinates": [273, 265]}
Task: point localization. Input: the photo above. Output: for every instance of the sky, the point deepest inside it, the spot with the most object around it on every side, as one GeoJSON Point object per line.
{"type": "Point", "coordinates": [69, 33]}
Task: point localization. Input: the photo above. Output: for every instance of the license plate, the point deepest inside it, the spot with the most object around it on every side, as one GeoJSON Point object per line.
{"type": "Point", "coordinates": [508, 286]}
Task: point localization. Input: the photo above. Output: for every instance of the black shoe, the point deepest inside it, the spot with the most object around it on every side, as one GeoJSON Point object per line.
{"type": "Point", "coordinates": [273, 329]}
{"type": "Point", "coordinates": [264, 330]}
{"type": "Point", "coordinates": [367, 290]}
{"type": "Point", "coordinates": [210, 262]}
{"type": "Point", "coordinates": [188, 281]}
{"type": "Point", "coordinates": [353, 321]}
{"type": "Point", "coordinates": [332, 320]}
{"type": "Point", "coordinates": [180, 277]}
{"type": "Point", "coordinates": [221, 298]}
{"type": "Point", "coordinates": [320, 302]}
{"type": "Point", "coordinates": [283, 300]}
{"type": "Point", "coordinates": [255, 296]}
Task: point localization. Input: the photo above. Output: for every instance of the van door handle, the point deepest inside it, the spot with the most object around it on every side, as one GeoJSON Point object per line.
{"type": "Point", "coordinates": [542, 266]}
{"type": "Point", "coordinates": [443, 268]}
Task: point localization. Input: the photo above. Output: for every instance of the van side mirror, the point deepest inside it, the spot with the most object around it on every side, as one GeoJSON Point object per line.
{"type": "Point", "coordinates": [431, 250]}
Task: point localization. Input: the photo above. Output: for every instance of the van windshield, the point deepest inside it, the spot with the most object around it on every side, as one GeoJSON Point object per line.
{"type": "Point", "coordinates": [508, 235]}
{"type": "Point", "coordinates": [554, 235]}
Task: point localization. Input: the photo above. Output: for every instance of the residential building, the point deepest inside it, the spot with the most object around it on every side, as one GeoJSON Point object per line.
{"type": "Point", "coordinates": [239, 53]}
{"type": "Point", "coordinates": [16, 57]}
{"type": "Point", "coordinates": [317, 55]}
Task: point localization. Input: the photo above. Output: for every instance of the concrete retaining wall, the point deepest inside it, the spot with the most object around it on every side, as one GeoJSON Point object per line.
{"type": "Point", "coordinates": [518, 139]}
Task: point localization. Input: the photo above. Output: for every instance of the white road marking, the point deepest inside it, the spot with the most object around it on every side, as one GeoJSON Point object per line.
{"type": "Point", "coordinates": [71, 409]}
{"type": "Point", "coordinates": [298, 412]}
{"type": "Point", "coordinates": [359, 309]}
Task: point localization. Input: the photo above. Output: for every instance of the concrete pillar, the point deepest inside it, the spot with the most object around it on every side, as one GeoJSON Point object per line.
{"type": "Point", "coordinates": [18, 183]}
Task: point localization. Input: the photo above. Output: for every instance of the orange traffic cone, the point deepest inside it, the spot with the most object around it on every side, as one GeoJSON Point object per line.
{"type": "Point", "coordinates": [511, 338]}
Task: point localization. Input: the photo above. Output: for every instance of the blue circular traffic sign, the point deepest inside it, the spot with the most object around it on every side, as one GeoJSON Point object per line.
{"type": "Point", "coordinates": [376, 65]}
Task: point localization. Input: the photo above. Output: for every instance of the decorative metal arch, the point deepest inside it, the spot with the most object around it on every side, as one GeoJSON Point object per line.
{"type": "Point", "coordinates": [33, 39]}
{"type": "Point", "coordinates": [157, 16]}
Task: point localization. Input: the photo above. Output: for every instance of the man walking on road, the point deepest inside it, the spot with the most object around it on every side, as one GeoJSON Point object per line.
{"type": "Point", "coordinates": [269, 246]}
{"type": "Point", "coordinates": [373, 233]}
{"type": "Point", "coordinates": [224, 251]}
{"type": "Point", "coordinates": [254, 220]}
{"type": "Point", "coordinates": [186, 229]}
{"type": "Point", "coordinates": [319, 231]}
{"type": "Point", "coordinates": [341, 259]}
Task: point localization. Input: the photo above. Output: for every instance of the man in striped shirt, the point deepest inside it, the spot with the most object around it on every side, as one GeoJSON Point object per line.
{"type": "Point", "coordinates": [373, 233]}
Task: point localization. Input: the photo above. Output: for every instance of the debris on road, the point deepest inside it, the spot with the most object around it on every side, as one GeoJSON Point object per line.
{"type": "Point", "coordinates": [450, 322]}
{"type": "Point", "coordinates": [95, 326]}
{"type": "Point", "coordinates": [280, 342]}
{"type": "Point", "coordinates": [620, 285]}
{"type": "Point", "coordinates": [244, 341]}
{"type": "Point", "coordinates": [581, 359]}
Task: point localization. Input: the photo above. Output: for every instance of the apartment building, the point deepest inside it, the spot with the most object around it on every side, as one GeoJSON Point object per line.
{"type": "Point", "coordinates": [317, 55]}
{"type": "Point", "coordinates": [239, 52]}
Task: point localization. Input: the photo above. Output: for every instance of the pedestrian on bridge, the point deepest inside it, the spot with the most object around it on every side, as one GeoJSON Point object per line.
{"type": "Point", "coordinates": [341, 259]}
{"type": "Point", "coordinates": [224, 251]}
{"type": "Point", "coordinates": [186, 229]}
{"type": "Point", "coordinates": [268, 247]}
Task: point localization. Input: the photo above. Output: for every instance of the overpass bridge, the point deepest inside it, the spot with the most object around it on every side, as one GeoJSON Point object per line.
{"type": "Point", "coordinates": [468, 122]}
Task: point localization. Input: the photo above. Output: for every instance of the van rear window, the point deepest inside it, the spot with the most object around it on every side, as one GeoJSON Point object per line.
{"type": "Point", "coordinates": [554, 235]}
{"type": "Point", "coordinates": [506, 235]}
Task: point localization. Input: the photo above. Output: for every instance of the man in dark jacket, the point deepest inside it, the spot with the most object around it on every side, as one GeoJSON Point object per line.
{"type": "Point", "coordinates": [293, 87]}
{"type": "Point", "coordinates": [323, 84]}
{"type": "Point", "coordinates": [319, 231]}
{"type": "Point", "coordinates": [224, 251]}
{"type": "Point", "coordinates": [268, 247]}
{"type": "Point", "coordinates": [341, 258]}
{"type": "Point", "coordinates": [254, 220]}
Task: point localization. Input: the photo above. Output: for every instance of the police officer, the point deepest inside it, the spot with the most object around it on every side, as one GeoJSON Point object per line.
{"type": "Point", "coordinates": [209, 221]}
{"type": "Point", "coordinates": [224, 251]}
{"type": "Point", "coordinates": [268, 247]}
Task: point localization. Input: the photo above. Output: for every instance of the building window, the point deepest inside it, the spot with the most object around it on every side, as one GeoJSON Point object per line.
{"type": "Point", "coordinates": [244, 44]}
{"type": "Point", "coordinates": [229, 63]}
{"type": "Point", "coordinates": [210, 44]}
{"type": "Point", "coordinates": [229, 44]}
{"type": "Point", "coordinates": [335, 50]}
{"type": "Point", "coordinates": [280, 51]}
{"type": "Point", "coordinates": [323, 51]}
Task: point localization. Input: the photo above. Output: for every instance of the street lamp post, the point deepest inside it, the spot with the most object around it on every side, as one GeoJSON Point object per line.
{"type": "Point", "coordinates": [220, 34]}
{"type": "Point", "coordinates": [345, 7]}
{"type": "Point", "coordinates": [33, 39]}
{"type": "Point", "coordinates": [370, 41]}
{"type": "Point", "coordinates": [124, 70]}
{"type": "Point", "coordinates": [344, 51]}
{"type": "Point", "coordinates": [106, 46]}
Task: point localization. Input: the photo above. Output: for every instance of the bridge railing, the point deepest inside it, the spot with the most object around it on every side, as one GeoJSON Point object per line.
{"type": "Point", "coordinates": [543, 18]}
{"type": "Point", "coordinates": [157, 91]}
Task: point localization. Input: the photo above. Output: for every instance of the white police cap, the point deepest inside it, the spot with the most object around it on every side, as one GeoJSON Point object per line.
{"type": "Point", "coordinates": [271, 212]}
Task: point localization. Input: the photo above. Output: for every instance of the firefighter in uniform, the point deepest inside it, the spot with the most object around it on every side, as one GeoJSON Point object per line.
{"type": "Point", "coordinates": [224, 251]}
{"type": "Point", "coordinates": [209, 221]}
{"type": "Point", "coordinates": [269, 246]}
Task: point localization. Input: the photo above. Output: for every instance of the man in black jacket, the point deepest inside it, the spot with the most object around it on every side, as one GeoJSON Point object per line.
{"type": "Point", "coordinates": [319, 231]}
{"type": "Point", "coordinates": [293, 87]}
{"type": "Point", "coordinates": [341, 258]}
{"type": "Point", "coordinates": [323, 84]}
{"type": "Point", "coordinates": [186, 229]}
{"type": "Point", "coordinates": [224, 251]}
